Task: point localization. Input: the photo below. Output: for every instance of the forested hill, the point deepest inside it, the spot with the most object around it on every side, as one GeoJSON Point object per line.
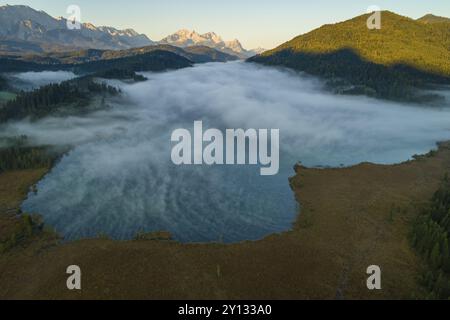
{"type": "Point", "coordinates": [157, 60]}
{"type": "Point", "coordinates": [430, 18]}
{"type": "Point", "coordinates": [196, 54]}
{"type": "Point", "coordinates": [403, 52]}
{"type": "Point", "coordinates": [69, 97]}
{"type": "Point", "coordinates": [150, 58]}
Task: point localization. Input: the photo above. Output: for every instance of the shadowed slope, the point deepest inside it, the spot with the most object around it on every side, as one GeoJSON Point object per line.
{"type": "Point", "coordinates": [387, 62]}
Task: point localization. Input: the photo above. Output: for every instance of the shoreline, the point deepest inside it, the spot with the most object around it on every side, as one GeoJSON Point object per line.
{"type": "Point", "coordinates": [167, 234]}
{"type": "Point", "coordinates": [351, 217]}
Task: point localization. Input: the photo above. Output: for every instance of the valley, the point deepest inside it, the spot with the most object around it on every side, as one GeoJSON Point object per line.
{"type": "Point", "coordinates": [357, 165]}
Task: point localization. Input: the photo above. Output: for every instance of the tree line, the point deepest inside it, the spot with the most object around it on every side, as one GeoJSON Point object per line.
{"type": "Point", "coordinates": [120, 74]}
{"type": "Point", "coordinates": [430, 237]}
{"type": "Point", "coordinates": [391, 62]}
{"type": "Point", "coordinates": [53, 97]}
{"type": "Point", "coordinates": [157, 60]}
{"type": "Point", "coordinates": [17, 154]}
{"type": "Point", "coordinates": [396, 82]}
{"type": "Point", "coordinates": [3, 83]}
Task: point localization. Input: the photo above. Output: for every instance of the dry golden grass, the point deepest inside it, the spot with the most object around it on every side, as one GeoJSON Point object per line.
{"type": "Point", "coordinates": [351, 218]}
{"type": "Point", "coordinates": [14, 186]}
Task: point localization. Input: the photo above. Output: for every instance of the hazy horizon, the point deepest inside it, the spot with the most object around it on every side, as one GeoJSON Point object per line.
{"type": "Point", "coordinates": [254, 23]}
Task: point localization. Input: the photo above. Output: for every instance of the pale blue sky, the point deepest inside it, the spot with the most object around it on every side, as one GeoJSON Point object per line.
{"type": "Point", "coordinates": [265, 23]}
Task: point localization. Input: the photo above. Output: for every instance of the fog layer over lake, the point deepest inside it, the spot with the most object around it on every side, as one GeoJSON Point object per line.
{"type": "Point", "coordinates": [119, 179]}
{"type": "Point", "coordinates": [32, 80]}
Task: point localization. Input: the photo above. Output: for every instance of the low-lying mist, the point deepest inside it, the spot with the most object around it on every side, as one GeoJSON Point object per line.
{"type": "Point", "coordinates": [32, 80]}
{"type": "Point", "coordinates": [119, 179]}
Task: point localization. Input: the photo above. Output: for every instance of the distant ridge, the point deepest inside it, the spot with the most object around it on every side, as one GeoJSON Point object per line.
{"type": "Point", "coordinates": [185, 38]}
{"type": "Point", "coordinates": [24, 29]}
{"type": "Point", "coordinates": [430, 18]}
{"type": "Point", "coordinates": [150, 58]}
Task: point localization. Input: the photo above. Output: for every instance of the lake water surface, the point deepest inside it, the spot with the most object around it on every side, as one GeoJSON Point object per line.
{"type": "Point", "coordinates": [119, 179]}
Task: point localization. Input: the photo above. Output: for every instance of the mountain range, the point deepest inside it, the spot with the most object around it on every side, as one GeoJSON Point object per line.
{"type": "Point", "coordinates": [185, 38]}
{"type": "Point", "coordinates": [25, 30]}
{"type": "Point", "coordinates": [23, 27]}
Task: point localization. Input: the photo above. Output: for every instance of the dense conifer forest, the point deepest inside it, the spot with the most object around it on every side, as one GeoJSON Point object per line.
{"type": "Point", "coordinates": [430, 237]}
{"type": "Point", "coordinates": [120, 74]}
{"type": "Point", "coordinates": [53, 97]}
{"type": "Point", "coordinates": [391, 62]}
{"type": "Point", "coordinates": [157, 60]}
{"type": "Point", "coordinates": [3, 83]}
{"type": "Point", "coordinates": [17, 154]}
